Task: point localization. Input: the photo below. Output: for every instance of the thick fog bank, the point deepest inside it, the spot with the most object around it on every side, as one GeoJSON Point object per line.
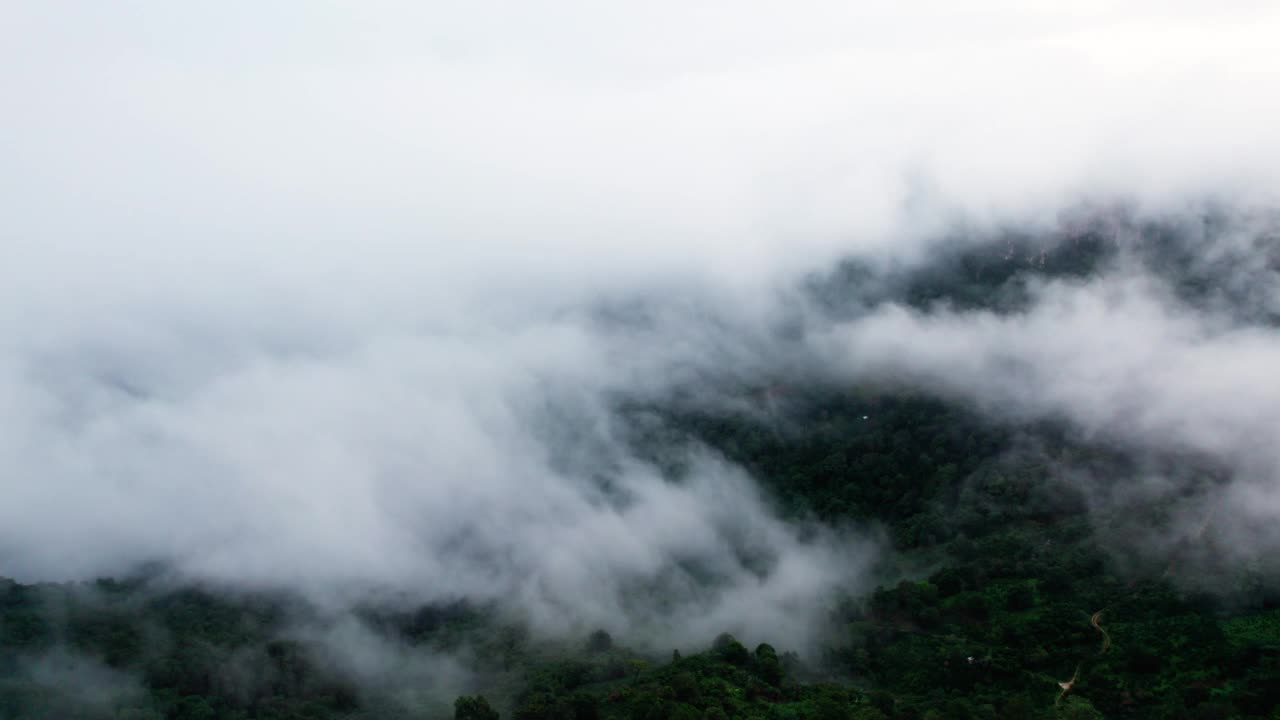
{"type": "Point", "coordinates": [343, 298]}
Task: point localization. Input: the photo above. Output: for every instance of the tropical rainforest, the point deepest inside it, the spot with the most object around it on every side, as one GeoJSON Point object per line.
{"type": "Point", "coordinates": [1014, 577]}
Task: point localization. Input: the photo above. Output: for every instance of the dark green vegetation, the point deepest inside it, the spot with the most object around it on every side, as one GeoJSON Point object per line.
{"type": "Point", "coordinates": [988, 635]}
{"type": "Point", "coordinates": [1014, 569]}
{"type": "Point", "coordinates": [1019, 570]}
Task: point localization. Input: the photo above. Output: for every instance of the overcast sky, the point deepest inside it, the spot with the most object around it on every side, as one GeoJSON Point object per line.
{"type": "Point", "coordinates": [488, 137]}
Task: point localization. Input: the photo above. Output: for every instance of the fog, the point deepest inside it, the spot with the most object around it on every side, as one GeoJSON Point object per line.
{"type": "Point", "coordinates": [1129, 362]}
{"type": "Point", "coordinates": [310, 295]}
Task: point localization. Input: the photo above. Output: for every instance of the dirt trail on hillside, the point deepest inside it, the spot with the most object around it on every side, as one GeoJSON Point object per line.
{"type": "Point", "coordinates": [1066, 686]}
{"type": "Point", "coordinates": [1106, 637]}
{"type": "Point", "coordinates": [1095, 620]}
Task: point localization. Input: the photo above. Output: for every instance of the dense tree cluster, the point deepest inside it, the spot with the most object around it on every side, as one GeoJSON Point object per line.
{"type": "Point", "coordinates": [1023, 611]}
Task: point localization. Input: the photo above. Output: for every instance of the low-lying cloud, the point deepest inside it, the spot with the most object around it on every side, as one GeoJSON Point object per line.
{"type": "Point", "coordinates": [319, 296]}
{"type": "Point", "coordinates": [1129, 360]}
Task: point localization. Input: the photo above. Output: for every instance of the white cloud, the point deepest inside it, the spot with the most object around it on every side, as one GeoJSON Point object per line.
{"type": "Point", "coordinates": [283, 284]}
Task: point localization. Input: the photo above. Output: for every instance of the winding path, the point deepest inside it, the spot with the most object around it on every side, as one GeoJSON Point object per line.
{"type": "Point", "coordinates": [1094, 620]}
{"type": "Point", "coordinates": [1066, 686]}
{"type": "Point", "coordinates": [1106, 637]}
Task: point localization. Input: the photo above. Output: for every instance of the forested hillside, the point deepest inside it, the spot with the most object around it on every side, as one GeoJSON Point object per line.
{"type": "Point", "coordinates": [1017, 578]}
{"type": "Point", "coordinates": [662, 360]}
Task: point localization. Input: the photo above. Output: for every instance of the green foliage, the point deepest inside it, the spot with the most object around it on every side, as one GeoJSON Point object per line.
{"type": "Point", "coordinates": [473, 708]}
{"type": "Point", "coordinates": [1262, 629]}
{"type": "Point", "coordinates": [731, 651]}
{"type": "Point", "coordinates": [599, 641]}
{"type": "Point", "coordinates": [1002, 615]}
{"type": "Point", "coordinates": [1077, 708]}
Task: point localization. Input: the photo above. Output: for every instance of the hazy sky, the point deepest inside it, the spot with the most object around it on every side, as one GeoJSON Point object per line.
{"type": "Point", "coordinates": [585, 141]}
{"type": "Point", "coordinates": [289, 290]}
